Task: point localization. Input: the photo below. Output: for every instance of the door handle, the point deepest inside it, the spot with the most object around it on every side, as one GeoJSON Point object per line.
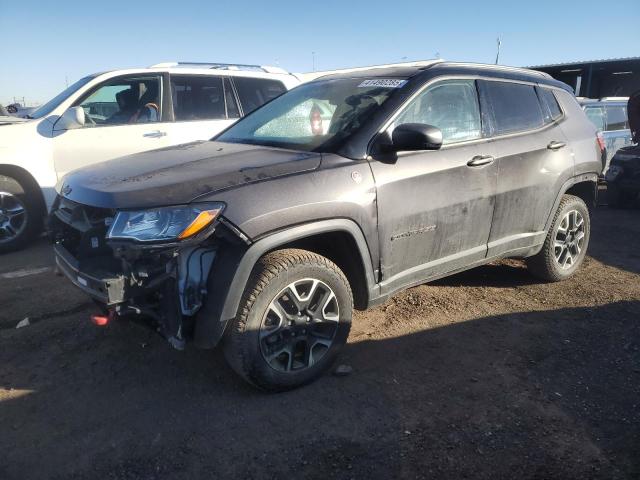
{"type": "Point", "coordinates": [154, 134]}
{"type": "Point", "coordinates": [480, 160]}
{"type": "Point", "coordinates": [556, 145]}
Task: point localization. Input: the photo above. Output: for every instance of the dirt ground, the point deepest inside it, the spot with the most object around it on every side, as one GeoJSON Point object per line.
{"type": "Point", "coordinates": [487, 374]}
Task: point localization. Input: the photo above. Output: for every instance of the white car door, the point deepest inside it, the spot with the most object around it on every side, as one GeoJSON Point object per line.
{"type": "Point", "coordinates": [123, 116]}
{"type": "Point", "coordinates": [203, 106]}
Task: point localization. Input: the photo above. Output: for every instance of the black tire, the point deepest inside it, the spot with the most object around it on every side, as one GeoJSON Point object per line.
{"type": "Point", "coordinates": [244, 345]}
{"type": "Point", "coordinates": [545, 265]}
{"type": "Point", "coordinates": [14, 189]}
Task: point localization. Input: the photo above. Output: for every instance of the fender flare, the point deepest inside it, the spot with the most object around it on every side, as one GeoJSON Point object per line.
{"type": "Point", "coordinates": [230, 273]}
{"type": "Point", "coordinates": [584, 177]}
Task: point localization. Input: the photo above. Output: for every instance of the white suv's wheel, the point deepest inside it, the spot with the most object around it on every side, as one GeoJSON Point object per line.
{"type": "Point", "coordinates": [19, 217]}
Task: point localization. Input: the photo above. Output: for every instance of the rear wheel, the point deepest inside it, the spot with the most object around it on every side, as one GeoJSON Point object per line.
{"type": "Point", "coordinates": [294, 317]}
{"type": "Point", "coordinates": [20, 216]}
{"type": "Point", "coordinates": [566, 243]}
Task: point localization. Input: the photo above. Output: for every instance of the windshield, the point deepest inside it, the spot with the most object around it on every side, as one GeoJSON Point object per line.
{"type": "Point", "coordinates": [48, 107]}
{"type": "Point", "coordinates": [313, 116]}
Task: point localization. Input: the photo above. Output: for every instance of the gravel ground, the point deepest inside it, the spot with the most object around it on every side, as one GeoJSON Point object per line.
{"type": "Point", "coordinates": [487, 374]}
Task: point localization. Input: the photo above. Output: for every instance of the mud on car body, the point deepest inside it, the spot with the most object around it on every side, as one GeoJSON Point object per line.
{"type": "Point", "coordinates": [336, 194]}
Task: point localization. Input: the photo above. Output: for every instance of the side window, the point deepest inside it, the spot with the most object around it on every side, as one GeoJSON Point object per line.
{"type": "Point", "coordinates": [198, 97]}
{"type": "Point", "coordinates": [515, 107]}
{"type": "Point", "coordinates": [123, 101]}
{"type": "Point", "coordinates": [596, 116]}
{"type": "Point", "coordinates": [551, 108]}
{"type": "Point", "coordinates": [232, 105]}
{"type": "Point", "coordinates": [255, 92]}
{"type": "Point", "coordinates": [452, 106]}
{"type": "Point", "coordinates": [616, 117]}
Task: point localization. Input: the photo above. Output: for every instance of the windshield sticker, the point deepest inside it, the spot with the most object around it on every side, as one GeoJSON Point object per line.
{"type": "Point", "coordinates": [384, 83]}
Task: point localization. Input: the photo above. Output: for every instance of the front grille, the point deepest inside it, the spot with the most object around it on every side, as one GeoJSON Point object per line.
{"type": "Point", "coordinates": [81, 229]}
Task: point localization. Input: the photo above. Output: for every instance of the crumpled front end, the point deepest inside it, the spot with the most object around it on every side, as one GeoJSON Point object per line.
{"type": "Point", "coordinates": [163, 282]}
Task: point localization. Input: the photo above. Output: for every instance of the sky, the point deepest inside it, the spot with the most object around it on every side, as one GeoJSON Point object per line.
{"type": "Point", "coordinates": [46, 44]}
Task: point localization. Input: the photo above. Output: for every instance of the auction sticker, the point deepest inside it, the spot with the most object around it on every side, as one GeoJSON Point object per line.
{"type": "Point", "coordinates": [383, 82]}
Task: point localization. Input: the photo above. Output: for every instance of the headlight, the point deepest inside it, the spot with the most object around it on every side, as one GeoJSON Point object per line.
{"type": "Point", "coordinates": [613, 172]}
{"type": "Point", "coordinates": [164, 224]}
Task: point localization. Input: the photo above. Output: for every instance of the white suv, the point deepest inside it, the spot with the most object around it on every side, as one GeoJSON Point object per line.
{"type": "Point", "coordinates": [108, 115]}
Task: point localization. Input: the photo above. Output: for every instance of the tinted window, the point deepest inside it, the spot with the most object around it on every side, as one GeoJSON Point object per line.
{"type": "Point", "coordinates": [552, 109]}
{"type": "Point", "coordinates": [515, 107]}
{"type": "Point", "coordinates": [451, 106]}
{"type": "Point", "coordinates": [616, 117]}
{"type": "Point", "coordinates": [123, 101]}
{"type": "Point", "coordinates": [596, 116]}
{"type": "Point", "coordinates": [230, 97]}
{"type": "Point", "coordinates": [198, 97]}
{"type": "Point", "coordinates": [255, 92]}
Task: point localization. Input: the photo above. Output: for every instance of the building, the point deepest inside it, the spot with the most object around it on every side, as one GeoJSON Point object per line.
{"type": "Point", "coordinates": [616, 77]}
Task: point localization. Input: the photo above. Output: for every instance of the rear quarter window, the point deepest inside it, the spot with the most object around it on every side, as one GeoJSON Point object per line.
{"type": "Point", "coordinates": [551, 109]}
{"type": "Point", "coordinates": [255, 92]}
{"type": "Point", "coordinates": [515, 107]}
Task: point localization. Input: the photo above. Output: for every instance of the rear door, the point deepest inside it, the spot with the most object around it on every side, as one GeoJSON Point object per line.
{"type": "Point", "coordinates": [255, 92]}
{"type": "Point", "coordinates": [435, 207]}
{"type": "Point", "coordinates": [203, 106]}
{"type": "Point", "coordinates": [533, 161]}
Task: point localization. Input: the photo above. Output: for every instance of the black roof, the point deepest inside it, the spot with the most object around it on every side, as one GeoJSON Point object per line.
{"type": "Point", "coordinates": [452, 68]}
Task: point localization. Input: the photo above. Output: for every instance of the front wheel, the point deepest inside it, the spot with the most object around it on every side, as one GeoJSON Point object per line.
{"type": "Point", "coordinates": [19, 214]}
{"type": "Point", "coordinates": [566, 243]}
{"type": "Point", "coordinates": [294, 317]}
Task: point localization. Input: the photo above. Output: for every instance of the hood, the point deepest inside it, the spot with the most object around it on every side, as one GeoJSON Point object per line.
{"type": "Point", "coordinates": [180, 174]}
{"type": "Point", "coordinates": [633, 112]}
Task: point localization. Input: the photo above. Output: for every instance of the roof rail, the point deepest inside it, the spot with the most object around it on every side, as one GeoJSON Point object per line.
{"type": "Point", "coordinates": [221, 66]}
{"type": "Point", "coordinates": [614, 99]}
{"type": "Point", "coordinates": [504, 68]}
{"type": "Point", "coordinates": [308, 76]}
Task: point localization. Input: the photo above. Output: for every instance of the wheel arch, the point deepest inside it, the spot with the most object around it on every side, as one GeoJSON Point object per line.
{"type": "Point", "coordinates": [231, 271]}
{"type": "Point", "coordinates": [28, 182]}
{"type": "Point", "coordinates": [584, 186]}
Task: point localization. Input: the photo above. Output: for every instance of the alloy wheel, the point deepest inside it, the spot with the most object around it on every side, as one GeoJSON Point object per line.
{"type": "Point", "coordinates": [13, 217]}
{"type": "Point", "coordinates": [299, 325]}
{"type": "Point", "coordinates": [569, 239]}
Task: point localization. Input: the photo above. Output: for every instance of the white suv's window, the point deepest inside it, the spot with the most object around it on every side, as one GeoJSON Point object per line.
{"type": "Point", "coordinates": [202, 97]}
{"type": "Point", "coordinates": [452, 106]}
{"type": "Point", "coordinates": [123, 101]}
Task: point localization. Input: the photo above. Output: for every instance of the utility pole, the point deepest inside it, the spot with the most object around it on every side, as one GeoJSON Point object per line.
{"type": "Point", "coordinates": [498, 52]}
{"type": "Point", "coordinates": [313, 61]}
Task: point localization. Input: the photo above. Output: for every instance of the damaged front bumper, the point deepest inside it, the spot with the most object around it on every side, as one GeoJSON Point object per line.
{"type": "Point", "coordinates": [165, 283]}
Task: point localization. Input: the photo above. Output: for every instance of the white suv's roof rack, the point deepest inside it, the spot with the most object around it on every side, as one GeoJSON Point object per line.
{"type": "Point", "coordinates": [614, 99]}
{"type": "Point", "coordinates": [221, 66]}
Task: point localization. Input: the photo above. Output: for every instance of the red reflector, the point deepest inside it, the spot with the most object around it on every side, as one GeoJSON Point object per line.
{"type": "Point", "coordinates": [100, 320]}
{"type": "Point", "coordinates": [600, 140]}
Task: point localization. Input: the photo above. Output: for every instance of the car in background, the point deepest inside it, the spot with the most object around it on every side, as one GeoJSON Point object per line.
{"type": "Point", "coordinates": [108, 115]}
{"type": "Point", "coordinates": [609, 115]}
{"type": "Point", "coordinates": [623, 176]}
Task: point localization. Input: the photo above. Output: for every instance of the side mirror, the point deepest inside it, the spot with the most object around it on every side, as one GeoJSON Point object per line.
{"type": "Point", "coordinates": [416, 136]}
{"type": "Point", "coordinates": [72, 118]}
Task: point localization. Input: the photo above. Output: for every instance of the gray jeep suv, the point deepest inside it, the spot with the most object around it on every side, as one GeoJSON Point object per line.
{"type": "Point", "coordinates": [335, 195]}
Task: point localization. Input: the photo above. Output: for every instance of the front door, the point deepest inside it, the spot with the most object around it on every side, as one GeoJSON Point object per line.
{"type": "Point", "coordinates": [122, 116]}
{"type": "Point", "coordinates": [435, 207]}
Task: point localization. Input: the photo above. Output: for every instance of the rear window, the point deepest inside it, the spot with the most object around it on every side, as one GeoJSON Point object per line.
{"type": "Point", "coordinates": [198, 97]}
{"type": "Point", "coordinates": [515, 107]}
{"type": "Point", "coordinates": [616, 117]}
{"type": "Point", "coordinates": [255, 92]}
{"type": "Point", "coordinates": [551, 107]}
{"type": "Point", "coordinates": [596, 116]}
